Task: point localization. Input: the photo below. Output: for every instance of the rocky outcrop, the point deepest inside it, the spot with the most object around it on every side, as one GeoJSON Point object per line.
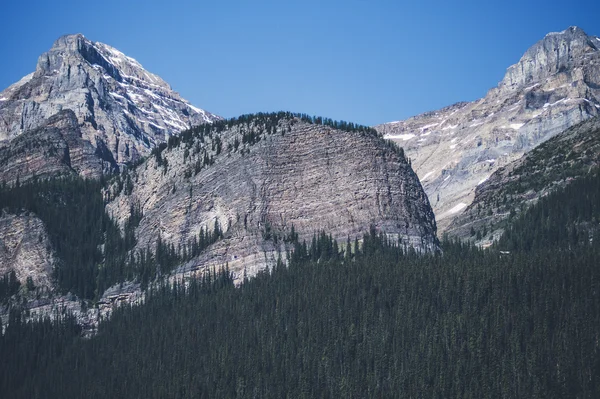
{"type": "Point", "coordinates": [25, 249]}
{"type": "Point", "coordinates": [555, 85]}
{"type": "Point", "coordinates": [514, 187]}
{"type": "Point", "coordinates": [258, 181]}
{"type": "Point", "coordinates": [56, 148]}
{"type": "Point", "coordinates": [121, 110]}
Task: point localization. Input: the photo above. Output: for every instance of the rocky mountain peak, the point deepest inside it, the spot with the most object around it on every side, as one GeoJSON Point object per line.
{"type": "Point", "coordinates": [114, 63]}
{"type": "Point", "coordinates": [556, 52]}
{"type": "Point", "coordinates": [555, 85]}
{"type": "Point", "coordinates": [119, 105]}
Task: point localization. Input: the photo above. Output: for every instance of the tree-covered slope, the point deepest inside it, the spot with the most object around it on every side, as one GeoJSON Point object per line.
{"type": "Point", "coordinates": [376, 321]}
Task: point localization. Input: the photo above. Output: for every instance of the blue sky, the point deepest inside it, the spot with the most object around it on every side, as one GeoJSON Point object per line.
{"type": "Point", "coordinates": [363, 61]}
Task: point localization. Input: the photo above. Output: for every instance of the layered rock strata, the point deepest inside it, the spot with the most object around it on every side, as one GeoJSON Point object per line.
{"type": "Point", "coordinates": [311, 177]}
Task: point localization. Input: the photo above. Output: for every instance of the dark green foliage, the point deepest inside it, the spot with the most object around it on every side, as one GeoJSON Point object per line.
{"type": "Point", "coordinates": [9, 286]}
{"type": "Point", "coordinates": [374, 320]}
{"type": "Point", "coordinates": [28, 348]}
{"type": "Point", "coordinates": [568, 218]}
{"type": "Point", "coordinates": [78, 226]}
{"type": "Point", "coordinates": [267, 123]}
{"type": "Point", "coordinates": [149, 265]}
{"type": "Point", "coordinates": [29, 284]}
{"type": "Point", "coordinates": [72, 210]}
{"type": "Point", "coordinates": [469, 323]}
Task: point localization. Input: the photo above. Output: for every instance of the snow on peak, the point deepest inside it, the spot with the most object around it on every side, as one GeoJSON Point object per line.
{"type": "Point", "coordinates": [154, 103]}
{"type": "Point", "coordinates": [571, 29]}
{"type": "Point", "coordinates": [128, 67]}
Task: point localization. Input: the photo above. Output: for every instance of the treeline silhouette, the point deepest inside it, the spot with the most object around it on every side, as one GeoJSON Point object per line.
{"type": "Point", "coordinates": [254, 128]}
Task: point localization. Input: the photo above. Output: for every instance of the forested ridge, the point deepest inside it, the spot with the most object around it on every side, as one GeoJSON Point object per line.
{"type": "Point", "coordinates": [93, 253]}
{"type": "Point", "coordinates": [372, 321]}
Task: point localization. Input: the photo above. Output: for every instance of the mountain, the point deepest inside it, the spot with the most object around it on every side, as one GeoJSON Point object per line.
{"type": "Point", "coordinates": [265, 178]}
{"type": "Point", "coordinates": [55, 148]}
{"type": "Point", "coordinates": [121, 110]}
{"type": "Point", "coordinates": [240, 194]}
{"type": "Point", "coordinates": [514, 187]}
{"type": "Point", "coordinates": [555, 85]}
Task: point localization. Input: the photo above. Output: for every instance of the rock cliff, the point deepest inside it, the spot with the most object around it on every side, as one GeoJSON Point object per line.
{"type": "Point", "coordinates": [260, 179]}
{"type": "Point", "coordinates": [260, 176]}
{"type": "Point", "coordinates": [25, 249]}
{"type": "Point", "coordinates": [555, 85]}
{"type": "Point", "coordinates": [55, 148]}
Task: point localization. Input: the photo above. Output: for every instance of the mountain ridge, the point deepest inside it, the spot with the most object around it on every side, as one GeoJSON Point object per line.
{"type": "Point", "coordinates": [554, 85]}
{"type": "Point", "coordinates": [274, 170]}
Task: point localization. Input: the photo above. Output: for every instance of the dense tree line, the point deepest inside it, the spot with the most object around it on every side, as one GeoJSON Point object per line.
{"type": "Point", "coordinates": [352, 321]}
{"type": "Point", "coordinates": [256, 125]}
{"type": "Point", "coordinates": [28, 348]}
{"type": "Point", "coordinates": [72, 210]}
{"type": "Point", "coordinates": [570, 217]}
{"type": "Point", "coordinates": [9, 286]}
{"type": "Point", "coordinates": [150, 264]}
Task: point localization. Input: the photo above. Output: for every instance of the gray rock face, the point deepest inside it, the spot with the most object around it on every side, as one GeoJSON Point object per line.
{"type": "Point", "coordinates": [308, 176]}
{"type": "Point", "coordinates": [119, 107]}
{"type": "Point", "coordinates": [55, 148]}
{"type": "Point", "coordinates": [557, 52]}
{"type": "Point", "coordinates": [514, 187]}
{"type": "Point", "coordinates": [555, 85]}
{"type": "Point", "coordinates": [25, 249]}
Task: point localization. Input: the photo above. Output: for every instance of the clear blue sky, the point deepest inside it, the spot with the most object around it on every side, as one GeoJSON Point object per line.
{"type": "Point", "coordinates": [362, 61]}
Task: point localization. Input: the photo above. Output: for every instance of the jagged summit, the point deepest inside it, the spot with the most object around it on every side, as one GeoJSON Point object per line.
{"type": "Point", "coordinates": [555, 85]}
{"type": "Point", "coordinates": [119, 105]}
{"type": "Point", "coordinates": [570, 30]}
{"type": "Point", "coordinates": [115, 63]}
{"type": "Point", "coordinates": [556, 52]}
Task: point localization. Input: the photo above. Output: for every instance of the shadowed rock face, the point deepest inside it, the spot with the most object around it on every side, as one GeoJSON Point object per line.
{"type": "Point", "coordinates": [555, 85]}
{"type": "Point", "coordinates": [308, 176]}
{"type": "Point", "coordinates": [56, 148]}
{"type": "Point", "coordinates": [119, 107]}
